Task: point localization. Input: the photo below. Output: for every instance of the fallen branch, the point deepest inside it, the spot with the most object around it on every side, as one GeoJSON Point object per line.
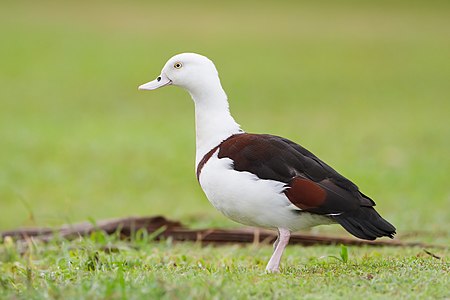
{"type": "Point", "coordinates": [165, 229]}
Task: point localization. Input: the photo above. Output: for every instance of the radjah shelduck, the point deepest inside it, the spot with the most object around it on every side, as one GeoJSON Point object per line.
{"type": "Point", "coordinates": [260, 179]}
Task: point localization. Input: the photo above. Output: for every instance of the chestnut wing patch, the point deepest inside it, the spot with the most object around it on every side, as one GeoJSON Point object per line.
{"type": "Point", "coordinates": [322, 197]}
{"type": "Point", "coordinates": [305, 193]}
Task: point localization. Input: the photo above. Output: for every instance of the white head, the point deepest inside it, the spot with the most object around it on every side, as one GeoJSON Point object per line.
{"type": "Point", "coordinates": [198, 75]}
{"type": "Point", "coordinates": [191, 71]}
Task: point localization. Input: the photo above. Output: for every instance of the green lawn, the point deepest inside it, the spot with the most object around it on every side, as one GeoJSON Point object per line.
{"type": "Point", "coordinates": [364, 85]}
{"type": "Point", "coordinates": [144, 270]}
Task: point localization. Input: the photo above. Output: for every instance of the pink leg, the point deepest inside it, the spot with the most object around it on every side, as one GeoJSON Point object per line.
{"type": "Point", "coordinates": [283, 239]}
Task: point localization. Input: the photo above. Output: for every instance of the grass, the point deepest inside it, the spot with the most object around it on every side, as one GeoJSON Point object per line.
{"type": "Point", "coordinates": [100, 267]}
{"type": "Point", "coordinates": [363, 85]}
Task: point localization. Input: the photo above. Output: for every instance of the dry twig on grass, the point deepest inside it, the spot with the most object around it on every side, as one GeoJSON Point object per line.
{"type": "Point", "coordinates": [164, 229]}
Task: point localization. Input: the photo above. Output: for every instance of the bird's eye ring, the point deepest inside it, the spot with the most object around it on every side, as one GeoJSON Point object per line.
{"type": "Point", "coordinates": [178, 65]}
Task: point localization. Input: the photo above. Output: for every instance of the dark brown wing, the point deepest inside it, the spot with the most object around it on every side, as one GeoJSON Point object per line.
{"type": "Point", "coordinates": [311, 184]}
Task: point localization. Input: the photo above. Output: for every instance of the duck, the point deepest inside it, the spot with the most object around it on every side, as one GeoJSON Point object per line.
{"type": "Point", "coordinates": [264, 180]}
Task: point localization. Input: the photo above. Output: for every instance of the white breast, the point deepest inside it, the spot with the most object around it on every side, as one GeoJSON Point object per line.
{"type": "Point", "coordinates": [247, 199]}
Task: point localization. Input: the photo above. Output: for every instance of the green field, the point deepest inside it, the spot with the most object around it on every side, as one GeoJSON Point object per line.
{"type": "Point", "coordinates": [364, 85]}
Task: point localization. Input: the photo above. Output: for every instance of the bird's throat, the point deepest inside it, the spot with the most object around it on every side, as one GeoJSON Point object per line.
{"type": "Point", "coordinates": [213, 121]}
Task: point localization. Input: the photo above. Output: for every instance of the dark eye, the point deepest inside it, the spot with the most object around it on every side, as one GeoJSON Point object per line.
{"type": "Point", "coordinates": [178, 65]}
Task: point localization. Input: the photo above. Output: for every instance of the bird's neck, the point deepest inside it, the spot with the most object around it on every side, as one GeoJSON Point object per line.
{"type": "Point", "coordinates": [213, 121]}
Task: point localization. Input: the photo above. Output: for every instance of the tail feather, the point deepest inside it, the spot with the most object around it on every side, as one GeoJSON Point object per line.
{"type": "Point", "coordinates": [365, 223]}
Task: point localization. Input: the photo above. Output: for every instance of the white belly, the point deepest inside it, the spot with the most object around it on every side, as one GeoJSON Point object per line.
{"type": "Point", "coordinates": [244, 198]}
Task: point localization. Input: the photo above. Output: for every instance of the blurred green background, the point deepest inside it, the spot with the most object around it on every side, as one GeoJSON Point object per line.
{"type": "Point", "coordinates": [362, 84]}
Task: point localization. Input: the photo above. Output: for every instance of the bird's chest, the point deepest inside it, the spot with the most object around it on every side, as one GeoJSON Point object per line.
{"type": "Point", "coordinates": [242, 196]}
